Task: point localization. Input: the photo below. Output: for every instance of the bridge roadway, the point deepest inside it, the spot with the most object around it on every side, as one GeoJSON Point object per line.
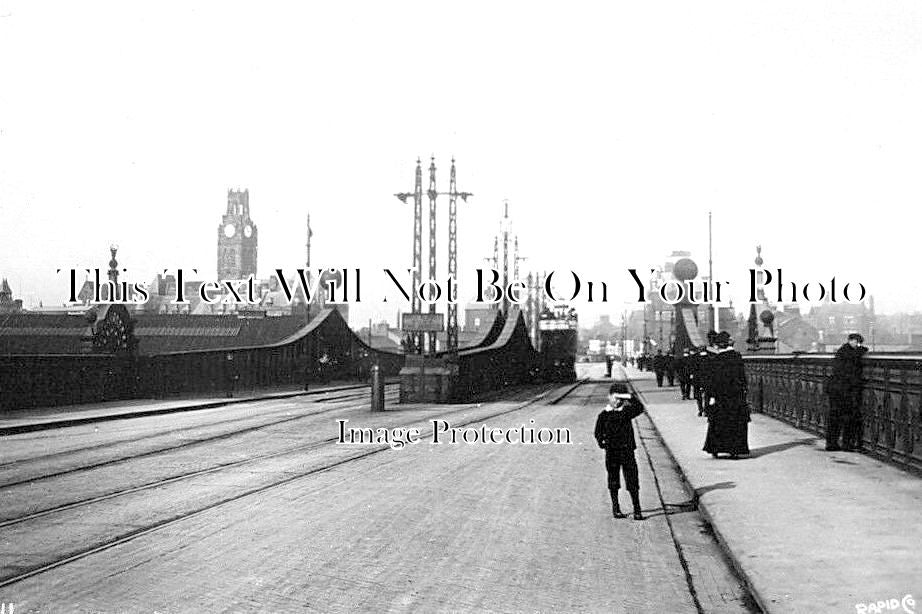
{"type": "Point", "coordinates": [256, 507]}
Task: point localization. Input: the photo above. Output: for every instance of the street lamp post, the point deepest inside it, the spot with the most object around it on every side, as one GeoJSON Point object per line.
{"type": "Point", "coordinates": [644, 346]}
{"type": "Point", "coordinates": [624, 338]}
{"type": "Point", "coordinates": [671, 315]}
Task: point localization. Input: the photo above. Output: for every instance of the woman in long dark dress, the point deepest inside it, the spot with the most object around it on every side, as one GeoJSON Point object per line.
{"type": "Point", "coordinates": [727, 409]}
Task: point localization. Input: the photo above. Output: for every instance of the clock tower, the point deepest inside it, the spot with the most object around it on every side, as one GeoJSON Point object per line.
{"type": "Point", "coordinates": [237, 238]}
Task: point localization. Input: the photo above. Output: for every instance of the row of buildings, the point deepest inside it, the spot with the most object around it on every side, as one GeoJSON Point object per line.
{"type": "Point", "coordinates": [163, 325]}
{"type": "Point", "coordinates": [821, 328]}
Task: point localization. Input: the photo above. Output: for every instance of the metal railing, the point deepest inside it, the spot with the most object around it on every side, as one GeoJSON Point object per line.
{"type": "Point", "coordinates": [792, 388]}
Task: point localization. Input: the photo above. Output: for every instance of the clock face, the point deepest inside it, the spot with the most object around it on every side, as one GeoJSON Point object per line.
{"type": "Point", "coordinates": [247, 231]}
{"type": "Point", "coordinates": [229, 231]}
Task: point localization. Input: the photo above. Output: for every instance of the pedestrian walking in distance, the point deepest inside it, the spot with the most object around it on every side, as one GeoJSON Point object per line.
{"type": "Point", "coordinates": [614, 433]}
{"type": "Point", "coordinates": [659, 367]}
{"type": "Point", "coordinates": [844, 388]}
{"type": "Point", "coordinates": [726, 408]}
{"type": "Point", "coordinates": [700, 364]}
{"type": "Point", "coordinates": [683, 372]}
{"type": "Point", "coordinates": [669, 367]}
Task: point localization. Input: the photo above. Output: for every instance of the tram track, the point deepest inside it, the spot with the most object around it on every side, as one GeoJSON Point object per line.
{"type": "Point", "coordinates": [167, 450]}
{"type": "Point", "coordinates": [184, 476]}
{"type": "Point", "coordinates": [38, 425]}
{"type": "Point", "coordinates": [188, 444]}
{"type": "Point", "coordinates": [53, 433]}
{"type": "Point", "coordinates": [171, 479]}
{"type": "Point", "coordinates": [167, 433]}
{"type": "Point", "coordinates": [125, 537]}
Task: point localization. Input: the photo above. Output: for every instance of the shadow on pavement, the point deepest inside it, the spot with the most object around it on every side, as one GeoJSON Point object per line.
{"type": "Point", "coordinates": [670, 509]}
{"type": "Point", "coordinates": [717, 486]}
{"type": "Point", "coordinates": [781, 447]}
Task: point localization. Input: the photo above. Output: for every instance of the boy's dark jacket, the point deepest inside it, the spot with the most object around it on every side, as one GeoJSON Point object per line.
{"type": "Point", "coordinates": [613, 429]}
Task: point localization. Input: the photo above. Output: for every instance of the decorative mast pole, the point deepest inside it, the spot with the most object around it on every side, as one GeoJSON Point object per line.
{"type": "Point", "coordinates": [433, 194]}
{"type": "Point", "coordinates": [453, 194]}
{"type": "Point", "coordinates": [310, 233]}
{"type": "Point", "coordinates": [415, 340]}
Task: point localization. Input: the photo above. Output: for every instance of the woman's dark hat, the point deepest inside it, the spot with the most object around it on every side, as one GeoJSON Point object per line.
{"type": "Point", "coordinates": [722, 339]}
{"type": "Point", "coordinates": [856, 337]}
{"type": "Point", "coordinates": [621, 390]}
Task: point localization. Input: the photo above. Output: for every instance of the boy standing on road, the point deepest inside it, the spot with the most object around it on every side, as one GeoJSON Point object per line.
{"type": "Point", "coordinates": [614, 433]}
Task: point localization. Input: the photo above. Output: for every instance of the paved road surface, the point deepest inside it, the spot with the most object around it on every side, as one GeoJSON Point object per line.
{"type": "Point", "coordinates": [256, 508]}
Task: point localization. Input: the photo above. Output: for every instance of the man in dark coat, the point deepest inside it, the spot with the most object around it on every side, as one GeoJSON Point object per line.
{"type": "Point", "coordinates": [659, 367]}
{"type": "Point", "coordinates": [703, 360]}
{"type": "Point", "coordinates": [694, 364]}
{"type": "Point", "coordinates": [683, 372]}
{"type": "Point", "coordinates": [669, 368]}
{"type": "Point", "coordinates": [844, 388]}
{"type": "Point", "coordinates": [700, 363]}
{"type": "Point", "coordinates": [614, 433]}
{"type": "Point", "coordinates": [726, 406]}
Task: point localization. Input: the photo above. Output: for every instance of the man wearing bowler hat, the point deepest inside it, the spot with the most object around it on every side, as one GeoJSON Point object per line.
{"type": "Point", "coordinates": [844, 388]}
{"type": "Point", "coordinates": [614, 433]}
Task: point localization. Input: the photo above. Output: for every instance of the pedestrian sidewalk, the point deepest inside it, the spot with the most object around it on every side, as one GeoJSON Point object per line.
{"type": "Point", "coordinates": [808, 530]}
{"type": "Point", "coordinates": [45, 418]}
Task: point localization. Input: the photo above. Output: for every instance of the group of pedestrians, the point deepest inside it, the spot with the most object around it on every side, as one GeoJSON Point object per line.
{"type": "Point", "coordinates": [716, 376]}
{"type": "Point", "coordinates": [664, 365]}
{"type": "Point", "coordinates": [691, 368]}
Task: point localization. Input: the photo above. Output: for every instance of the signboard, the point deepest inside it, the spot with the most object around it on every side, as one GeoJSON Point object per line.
{"type": "Point", "coordinates": [423, 322]}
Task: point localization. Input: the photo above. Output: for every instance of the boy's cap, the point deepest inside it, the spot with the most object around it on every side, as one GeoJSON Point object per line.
{"type": "Point", "coordinates": [620, 390]}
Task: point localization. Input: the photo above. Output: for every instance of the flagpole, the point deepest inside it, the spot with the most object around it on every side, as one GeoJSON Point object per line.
{"type": "Point", "coordinates": [715, 314]}
{"type": "Point", "coordinates": [307, 302]}
{"type": "Point", "coordinates": [309, 233]}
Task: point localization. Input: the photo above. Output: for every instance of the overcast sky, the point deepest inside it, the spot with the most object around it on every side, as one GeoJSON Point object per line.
{"type": "Point", "coordinates": [612, 128]}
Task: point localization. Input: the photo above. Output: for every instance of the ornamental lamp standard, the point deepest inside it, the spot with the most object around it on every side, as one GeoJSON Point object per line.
{"type": "Point", "coordinates": [113, 273]}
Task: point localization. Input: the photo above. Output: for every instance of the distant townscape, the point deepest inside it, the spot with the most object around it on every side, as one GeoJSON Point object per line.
{"type": "Point", "coordinates": [794, 328]}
